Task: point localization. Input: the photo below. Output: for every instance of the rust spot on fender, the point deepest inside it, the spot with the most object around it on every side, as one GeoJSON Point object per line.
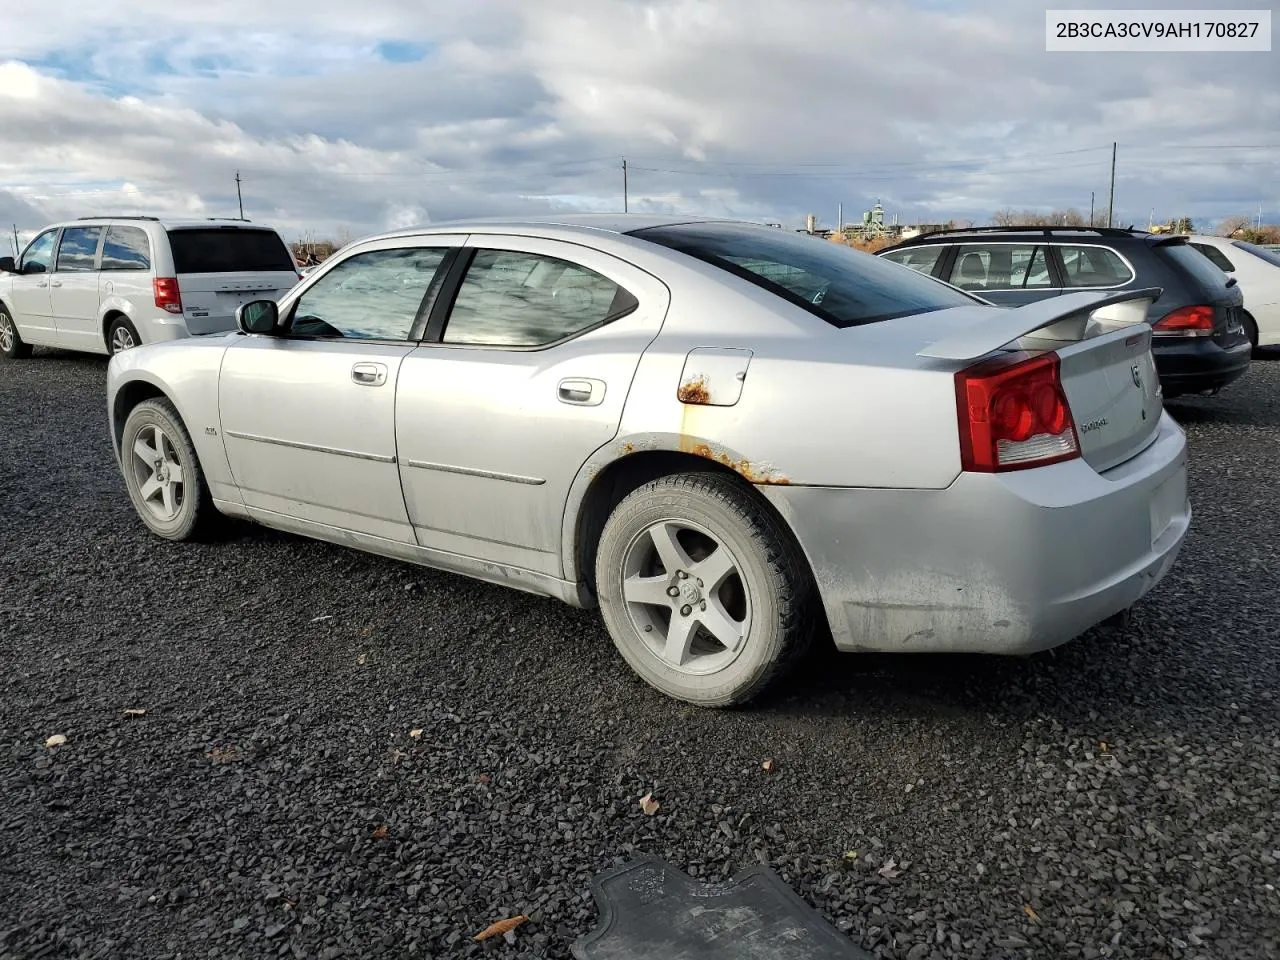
{"type": "Point", "coordinates": [628, 447]}
{"type": "Point", "coordinates": [695, 391]}
{"type": "Point", "coordinates": [752, 473]}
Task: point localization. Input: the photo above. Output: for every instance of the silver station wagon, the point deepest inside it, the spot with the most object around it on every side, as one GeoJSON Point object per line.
{"type": "Point", "coordinates": [728, 437]}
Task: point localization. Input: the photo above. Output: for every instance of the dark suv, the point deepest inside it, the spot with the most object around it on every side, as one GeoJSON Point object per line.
{"type": "Point", "coordinates": [1199, 341]}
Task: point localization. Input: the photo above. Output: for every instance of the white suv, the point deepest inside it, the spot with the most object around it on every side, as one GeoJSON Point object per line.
{"type": "Point", "coordinates": [105, 284]}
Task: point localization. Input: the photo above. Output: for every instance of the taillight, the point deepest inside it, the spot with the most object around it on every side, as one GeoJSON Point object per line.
{"type": "Point", "coordinates": [167, 295]}
{"type": "Point", "coordinates": [1014, 414]}
{"type": "Point", "coordinates": [1186, 322]}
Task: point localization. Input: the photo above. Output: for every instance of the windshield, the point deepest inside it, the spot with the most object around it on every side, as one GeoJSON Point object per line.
{"type": "Point", "coordinates": [1268, 255]}
{"type": "Point", "coordinates": [228, 250]}
{"type": "Point", "coordinates": [832, 281]}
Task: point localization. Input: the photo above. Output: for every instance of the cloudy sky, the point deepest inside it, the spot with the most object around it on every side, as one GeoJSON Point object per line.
{"type": "Point", "coordinates": [348, 117]}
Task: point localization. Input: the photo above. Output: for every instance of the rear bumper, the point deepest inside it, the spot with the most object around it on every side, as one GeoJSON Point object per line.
{"type": "Point", "coordinates": [996, 563]}
{"type": "Point", "coordinates": [1197, 365]}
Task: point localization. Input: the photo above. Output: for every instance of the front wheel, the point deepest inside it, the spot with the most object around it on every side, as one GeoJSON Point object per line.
{"type": "Point", "coordinates": [162, 473]}
{"type": "Point", "coordinates": [703, 589]}
{"type": "Point", "coordinates": [11, 344]}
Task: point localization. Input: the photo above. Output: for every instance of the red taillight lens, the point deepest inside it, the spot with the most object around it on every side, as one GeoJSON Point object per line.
{"type": "Point", "coordinates": [167, 295]}
{"type": "Point", "coordinates": [1014, 414]}
{"type": "Point", "coordinates": [1186, 322]}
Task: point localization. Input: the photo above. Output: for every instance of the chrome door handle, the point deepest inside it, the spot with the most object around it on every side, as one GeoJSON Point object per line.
{"type": "Point", "coordinates": [42, 283]}
{"type": "Point", "coordinates": [55, 283]}
{"type": "Point", "coordinates": [581, 392]}
{"type": "Point", "coordinates": [369, 374]}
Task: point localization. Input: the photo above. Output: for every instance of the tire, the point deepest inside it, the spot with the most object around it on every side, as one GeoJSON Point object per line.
{"type": "Point", "coordinates": [122, 335]}
{"type": "Point", "coordinates": [11, 344]}
{"type": "Point", "coordinates": [764, 606]}
{"type": "Point", "coordinates": [183, 511]}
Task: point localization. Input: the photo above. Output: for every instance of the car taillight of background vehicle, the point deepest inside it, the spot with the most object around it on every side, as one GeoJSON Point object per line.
{"type": "Point", "coordinates": [1014, 414]}
{"type": "Point", "coordinates": [1185, 322]}
{"type": "Point", "coordinates": [167, 295]}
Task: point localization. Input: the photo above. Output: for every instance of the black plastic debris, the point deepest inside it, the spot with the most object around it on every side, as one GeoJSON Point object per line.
{"type": "Point", "coordinates": [650, 910]}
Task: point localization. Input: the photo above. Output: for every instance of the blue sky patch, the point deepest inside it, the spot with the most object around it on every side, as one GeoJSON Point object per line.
{"type": "Point", "coordinates": [402, 51]}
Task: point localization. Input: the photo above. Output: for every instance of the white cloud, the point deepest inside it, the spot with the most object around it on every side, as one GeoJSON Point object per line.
{"type": "Point", "coordinates": [730, 107]}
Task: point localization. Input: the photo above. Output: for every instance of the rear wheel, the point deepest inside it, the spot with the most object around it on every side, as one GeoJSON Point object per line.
{"type": "Point", "coordinates": [1251, 329]}
{"type": "Point", "coordinates": [161, 471]}
{"type": "Point", "coordinates": [122, 335]}
{"type": "Point", "coordinates": [705, 594]}
{"type": "Point", "coordinates": [11, 344]}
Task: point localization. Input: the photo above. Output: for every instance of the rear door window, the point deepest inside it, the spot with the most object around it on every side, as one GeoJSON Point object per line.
{"type": "Point", "coordinates": [78, 249]}
{"type": "Point", "coordinates": [1093, 267]}
{"type": "Point", "coordinates": [1000, 266]}
{"type": "Point", "coordinates": [516, 299]}
{"type": "Point", "coordinates": [842, 286]}
{"type": "Point", "coordinates": [229, 250]}
{"type": "Point", "coordinates": [921, 259]}
{"type": "Point", "coordinates": [1216, 257]}
{"type": "Point", "coordinates": [126, 248]}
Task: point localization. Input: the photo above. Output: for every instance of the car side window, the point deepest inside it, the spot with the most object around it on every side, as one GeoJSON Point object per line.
{"type": "Point", "coordinates": [370, 296]}
{"type": "Point", "coordinates": [1216, 256]}
{"type": "Point", "coordinates": [39, 253]}
{"type": "Point", "coordinates": [126, 248]}
{"type": "Point", "coordinates": [1093, 267]}
{"type": "Point", "coordinates": [78, 249]}
{"type": "Point", "coordinates": [1000, 266]}
{"type": "Point", "coordinates": [920, 259]}
{"type": "Point", "coordinates": [517, 299]}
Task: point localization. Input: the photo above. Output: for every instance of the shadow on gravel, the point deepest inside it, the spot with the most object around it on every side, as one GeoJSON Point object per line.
{"type": "Point", "coordinates": [1104, 675]}
{"type": "Point", "coordinates": [1220, 410]}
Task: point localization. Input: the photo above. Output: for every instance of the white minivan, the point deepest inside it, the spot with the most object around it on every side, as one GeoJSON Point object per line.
{"type": "Point", "coordinates": [105, 284]}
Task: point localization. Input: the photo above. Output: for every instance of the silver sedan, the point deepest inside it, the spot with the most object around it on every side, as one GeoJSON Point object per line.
{"type": "Point", "coordinates": [726, 436]}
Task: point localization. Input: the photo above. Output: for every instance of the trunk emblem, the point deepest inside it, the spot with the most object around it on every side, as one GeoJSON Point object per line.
{"type": "Point", "coordinates": [1137, 376]}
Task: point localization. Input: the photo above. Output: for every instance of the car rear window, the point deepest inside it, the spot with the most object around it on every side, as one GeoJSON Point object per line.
{"type": "Point", "coordinates": [1270, 256]}
{"type": "Point", "coordinates": [1192, 261]}
{"type": "Point", "coordinates": [842, 286]}
{"type": "Point", "coordinates": [223, 250]}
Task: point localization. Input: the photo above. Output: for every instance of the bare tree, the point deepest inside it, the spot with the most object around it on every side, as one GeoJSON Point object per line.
{"type": "Point", "coordinates": [1230, 225]}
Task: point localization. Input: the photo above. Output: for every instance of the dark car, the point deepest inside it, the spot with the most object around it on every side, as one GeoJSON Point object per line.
{"type": "Point", "coordinates": [1199, 343]}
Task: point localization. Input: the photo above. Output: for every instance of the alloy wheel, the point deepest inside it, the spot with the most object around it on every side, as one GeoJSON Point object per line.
{"type": "Point", "coordinates": [122, 339]}
{"type": "Point", "coordinates": [159, 473]}
{"type": "Point", "coordinates": [8, 335]}
{"type": "Point", "coordinates": [686, 596]}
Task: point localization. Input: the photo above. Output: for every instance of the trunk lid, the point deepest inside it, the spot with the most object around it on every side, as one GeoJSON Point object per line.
{"type": "Point", "coordinates": [209, 300]}
{"type": "Point", "coordinates": [1103, 343]}
{"type": "Point", "coordinates": [220, 268]}
{"type": "Point", "coordinates": [1114, 393]}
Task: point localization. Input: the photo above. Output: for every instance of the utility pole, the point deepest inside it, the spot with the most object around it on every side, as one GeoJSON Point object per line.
{"type": "Point", "coordinates": [239, 198]}
{"type": "Point", "coordinates": [16, 249]}
{"type": "Point", "coordinates": [1111, 197]}
{"type": "Point", "coordinates": [624, 185]}
{"type": "Point", "coordinates": [1091, 208]}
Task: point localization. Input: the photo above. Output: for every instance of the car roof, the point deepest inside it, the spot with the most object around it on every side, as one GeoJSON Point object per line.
{"type": "Point", "coordinates": [1048, 235]}
{"type": "Point", "coordinates": [165, 223]}
{"type": "Point", "coordinates": [614, 223]}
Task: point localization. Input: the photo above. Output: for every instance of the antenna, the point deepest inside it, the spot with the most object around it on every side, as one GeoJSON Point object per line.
{"type": "Point", "coordinates": [239, 198]}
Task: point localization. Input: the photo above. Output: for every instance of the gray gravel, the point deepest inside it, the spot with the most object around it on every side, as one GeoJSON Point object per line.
{"type": "Point", "coordinates": [1114, 798]}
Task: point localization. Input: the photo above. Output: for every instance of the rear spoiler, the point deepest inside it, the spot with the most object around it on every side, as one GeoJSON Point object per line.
{"type": "Point", "coordinates": [1073, 316]}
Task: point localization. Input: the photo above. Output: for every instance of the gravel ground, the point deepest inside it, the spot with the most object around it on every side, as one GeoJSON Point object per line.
{"type": "Point", "coordinates": [1114, 798]}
